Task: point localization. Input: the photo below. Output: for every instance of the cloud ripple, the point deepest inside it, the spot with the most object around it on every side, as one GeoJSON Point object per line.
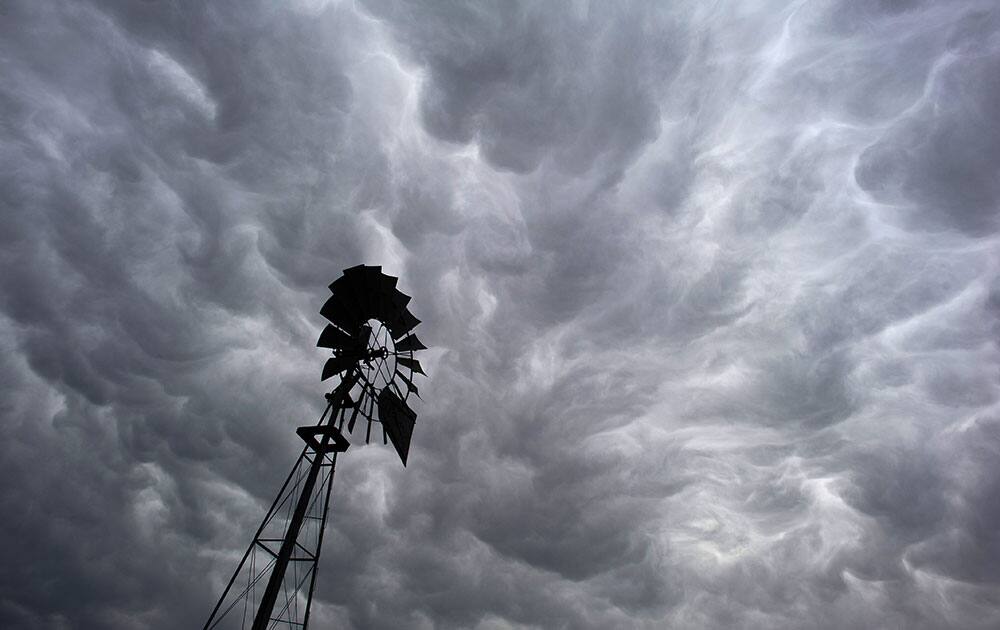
{"type": "Point", "coordinates": [711, 292]}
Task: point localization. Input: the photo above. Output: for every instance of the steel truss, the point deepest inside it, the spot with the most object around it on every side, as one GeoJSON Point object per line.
{"type": "Point", "coordinates": [273, 584]}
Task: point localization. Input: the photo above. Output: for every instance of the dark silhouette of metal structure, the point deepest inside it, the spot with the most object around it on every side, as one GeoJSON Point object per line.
{"type": "Point", "coordinates": [370, 336]}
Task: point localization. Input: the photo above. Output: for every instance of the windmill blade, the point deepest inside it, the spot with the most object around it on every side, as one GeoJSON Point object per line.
{"type": "Point", "coordinates": [382, 304]}
{"type": "Point", "coordinates": [336, 365]}
{"type": "Point", "coordinates": [413, 364]}
{"type": "Point", "coordinates": [358, 271]}
{"type": "Point", "coordinates": [395, 304]}
{"type": "Point", "coordinates": [355, 294]}
{"type": "Point", "coordinates": [347, 283]}
{"type": "Point", "coordinates": [409, 383]}
{"type": "Point", "coordinates": [389, 283]}
{"type": "Point", "coordinates": [397, 420]}
{"type": "Point", "coordinates": [394, 323]}
{"type": "Point", "coordinates": [400, 300]}
{"type": "Point", "coordinates": [358, 285]}
{"type": "Point", "coordinates": [333, 337]}
{"type": "Point", "coordinates": [350, 272]}
{"type": "Point", "coordinates": [392, 312]}
{"type": "Point", "coordinates": [407, 322]}
{"type": "Point", "coordinates": [341, 312]}
{"type": "Point", "coordinates": [379, 304]}
{"type": "Point", "coordinates": [364, 276]}
{"type": "Point", "coordinates": [377, 289]}
{"type": "Point", "coordinates": [410, 344]}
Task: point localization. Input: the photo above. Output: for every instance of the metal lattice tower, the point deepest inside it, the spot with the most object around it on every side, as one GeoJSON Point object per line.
{"type": "Point", "coordinates": [370, 336]}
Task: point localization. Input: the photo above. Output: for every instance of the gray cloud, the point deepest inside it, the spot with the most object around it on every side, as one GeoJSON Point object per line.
{"type": "Point", "coordinates": [711, 294]}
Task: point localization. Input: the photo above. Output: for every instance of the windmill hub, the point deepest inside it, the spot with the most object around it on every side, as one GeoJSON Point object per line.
{"type": "Point", "coordinates": [380, 359]}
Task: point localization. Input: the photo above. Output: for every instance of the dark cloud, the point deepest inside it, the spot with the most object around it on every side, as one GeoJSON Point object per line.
{"type": "Point", "coordinates": [711, 294]}
{"type": "Point", "coordinates": [529, 82]}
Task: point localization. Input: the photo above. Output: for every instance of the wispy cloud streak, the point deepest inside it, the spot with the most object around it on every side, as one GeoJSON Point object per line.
{"type": "Point", "coordinates": [711, 289]}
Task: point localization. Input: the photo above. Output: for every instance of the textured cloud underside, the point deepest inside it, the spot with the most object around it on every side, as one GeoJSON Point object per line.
{"type": "Point", "coordinates": [710, 288]}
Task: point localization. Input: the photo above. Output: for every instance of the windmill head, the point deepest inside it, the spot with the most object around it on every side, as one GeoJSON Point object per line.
{"type": "Point", "coordinates": [371, 338]}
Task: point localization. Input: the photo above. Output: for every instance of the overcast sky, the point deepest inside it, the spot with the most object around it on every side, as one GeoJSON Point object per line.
{"type": "Point", "coordinates": [711, 291]}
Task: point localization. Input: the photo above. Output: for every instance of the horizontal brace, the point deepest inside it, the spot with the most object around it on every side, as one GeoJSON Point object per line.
{"type": "Point", "coordinates": [309, 434]}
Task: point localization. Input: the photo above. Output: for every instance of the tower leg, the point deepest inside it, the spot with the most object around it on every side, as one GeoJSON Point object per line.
{"type": "Point", "coordinates": [319, 548]}
{"type": "Point", "coordinates": [277, 579]}
{"type": "Point", "coordinates": [296, 520]}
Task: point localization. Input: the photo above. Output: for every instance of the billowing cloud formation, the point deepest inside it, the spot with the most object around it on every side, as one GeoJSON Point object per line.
{"type": "Point", "coordinates": [712, 294]}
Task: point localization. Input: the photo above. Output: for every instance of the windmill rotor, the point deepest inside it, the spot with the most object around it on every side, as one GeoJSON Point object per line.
{"type": "Point", "coordinates": [370, 336]}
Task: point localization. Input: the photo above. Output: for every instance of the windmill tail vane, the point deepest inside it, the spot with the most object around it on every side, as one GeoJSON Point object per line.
{"type": "Point", "coordinates": [370, 336]}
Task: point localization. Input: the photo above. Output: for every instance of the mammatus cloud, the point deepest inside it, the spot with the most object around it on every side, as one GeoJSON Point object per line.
{"type": "Point", "coordinates": [712, 294]}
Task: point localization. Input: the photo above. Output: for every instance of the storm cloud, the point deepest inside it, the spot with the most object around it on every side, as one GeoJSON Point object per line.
{"type": "Point", "coordinates": [711, 292]}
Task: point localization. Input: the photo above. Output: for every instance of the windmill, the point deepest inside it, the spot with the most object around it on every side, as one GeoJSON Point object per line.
{"type": "Point", "coordinates": [370, 336]}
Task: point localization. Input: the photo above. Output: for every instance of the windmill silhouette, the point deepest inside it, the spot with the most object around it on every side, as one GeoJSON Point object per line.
{"type": "Point", "coordinates": [370, 336]}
